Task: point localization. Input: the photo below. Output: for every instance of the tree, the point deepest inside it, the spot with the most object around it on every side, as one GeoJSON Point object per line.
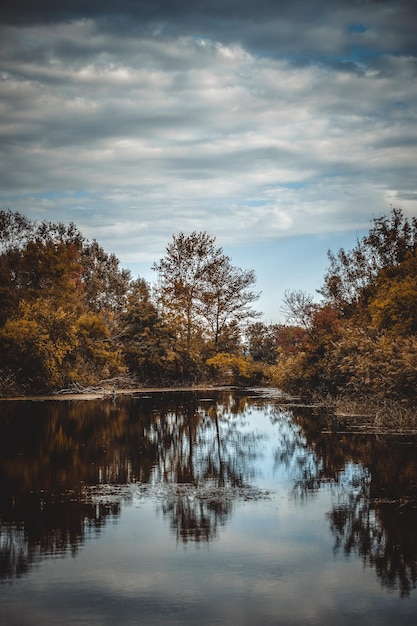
{"type": "Point", "coordinates": [200, 292]}
{"type": "Point", "coordinates": [361, 340]}
{"type": "Point", "coordinates": [16, 231]}
{"type": "Point", "coordinates": [351, 274]}
{"type": "Point", "coordinates": [31, 266]}
{"type": "Point", "coordinates": [227, 298]}
{"type": "Point", "coordinates": [299, 308]}
{"type": "Point", "coordinates": [182, 281]}
{"type": "Point", "coordinates": [35, 342]}
{"type": "Point", "coordinates": [61, 298]}
{"type": "Point", "coordinates": [145, 338]}
{"type": "Point", "coordinates": [96, 355]}
{"type": "Point", "coordinates": [263, 341]}
{"type": "Point", "coordinates": [106, 285]}
{"type": "Point", "coordinates": [393, 305]}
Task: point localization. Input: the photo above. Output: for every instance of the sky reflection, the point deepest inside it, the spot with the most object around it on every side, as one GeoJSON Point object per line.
{"type": "Point", "coordinates": [169, 510]}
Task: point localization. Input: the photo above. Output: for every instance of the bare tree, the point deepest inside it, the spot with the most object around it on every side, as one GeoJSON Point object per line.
{"type": "Point", "coordinates": [299, 308]}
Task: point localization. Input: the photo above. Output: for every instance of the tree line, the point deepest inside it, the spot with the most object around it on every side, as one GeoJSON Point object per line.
{"type": "Point", "coordinates": [70, 316]}
{"type": "Point", "coordinates": [361, 339]}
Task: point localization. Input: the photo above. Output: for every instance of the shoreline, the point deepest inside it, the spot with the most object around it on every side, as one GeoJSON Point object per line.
{"type": "Point", "coordinates": [358, 417]}
{"type": "Point", "coordinates": [109, 393]}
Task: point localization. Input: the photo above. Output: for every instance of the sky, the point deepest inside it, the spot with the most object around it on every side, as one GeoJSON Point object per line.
{"type": "Point", "coordinates": [282, 128]}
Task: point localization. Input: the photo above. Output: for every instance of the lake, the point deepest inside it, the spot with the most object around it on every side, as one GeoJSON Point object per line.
{"type": "Point", "coordinates": [220, 507]}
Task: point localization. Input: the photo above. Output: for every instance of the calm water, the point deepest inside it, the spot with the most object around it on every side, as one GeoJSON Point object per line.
{"type": "Point", "coordinates": [202, 508]}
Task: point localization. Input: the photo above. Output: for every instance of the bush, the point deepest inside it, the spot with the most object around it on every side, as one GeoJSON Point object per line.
{"type": "Point", "coordinates": [232, 369]}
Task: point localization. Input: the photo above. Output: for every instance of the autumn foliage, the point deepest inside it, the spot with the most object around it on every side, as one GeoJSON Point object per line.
{"type": "Point", "coordinates": [51, 331]}
{"type": "Point", "coordinates": [361, 340]}
{"type": "Point", "coordinates": [69, 315]}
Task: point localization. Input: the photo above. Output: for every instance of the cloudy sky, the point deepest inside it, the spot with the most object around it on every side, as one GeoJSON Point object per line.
{"type": "Point", "coordinates": [282, 127]}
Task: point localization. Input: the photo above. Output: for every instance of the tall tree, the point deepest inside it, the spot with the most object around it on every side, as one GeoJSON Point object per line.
{"type": "Point", "coordinates": [106, 285]}
{"type": "Point", "coordinates": [227, 298]}
{"type": "Point", "coordinates": [145, 339]}
{"type": "Point", "coordinates": [200, 291]}
{"type": "Point", "coordinates": [183, 280]}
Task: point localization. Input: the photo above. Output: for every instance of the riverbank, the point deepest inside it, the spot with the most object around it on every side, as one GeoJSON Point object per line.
{"type": "Point", "coordinates": [375, 416]}
{"type": "Point", "coordinates": [369, 416]}
{"type": "Point", "coordinates": [113, 393]}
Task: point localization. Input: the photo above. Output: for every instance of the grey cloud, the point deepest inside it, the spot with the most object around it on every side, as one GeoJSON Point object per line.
{"type": "Point", "coordinates": [239, 118]}
{"type": "Point", "coordinates": [303, 29]}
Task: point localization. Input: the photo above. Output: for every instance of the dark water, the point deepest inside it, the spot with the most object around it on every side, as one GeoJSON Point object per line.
{"type": "Point", "coordinates": [189, 508]}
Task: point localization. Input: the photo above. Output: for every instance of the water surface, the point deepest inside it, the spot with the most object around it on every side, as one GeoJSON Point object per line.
{"type": "Point", "coordinates": [206, 508]}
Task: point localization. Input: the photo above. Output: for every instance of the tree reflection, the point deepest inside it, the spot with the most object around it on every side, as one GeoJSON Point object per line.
{"type": "Point", "coordinates": [196, 514]}
{"type": "Point", "coordinates": [65, 468]}
{"type": "Point", "coordinates": [56, 456]}
{"type": "Point", "coordinates": [374, 480]}
{"type": "Point", "coordinates": [378, 522]}
{"type": "Point", "coordinates": [294, 453]}
{"type": "Point", "coordinates": [47, 528]}
{"type": "Point", "coordinates": [204, 452]}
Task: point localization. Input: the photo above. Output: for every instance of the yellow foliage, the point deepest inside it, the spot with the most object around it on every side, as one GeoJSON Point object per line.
{"type": "Point", "coordinates": [37, 341]}
{"type": "Point", "coordinates": [236, 369]}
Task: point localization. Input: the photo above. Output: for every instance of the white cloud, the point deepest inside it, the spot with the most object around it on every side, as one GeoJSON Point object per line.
{"type": "Point", "coordinates": [137, 135]}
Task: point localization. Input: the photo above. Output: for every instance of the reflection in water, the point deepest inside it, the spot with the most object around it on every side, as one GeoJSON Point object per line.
{"type": "Point", "coordinates": [67, 467]}
{"type": "Point", "coordinates": [195, 516]}
{"type": "Point", "coordinates": [47, 528]}
{"type": "Point", "coordinates": [375, 504]}
{"type": "Point", "coordinates": [383, 536]}
{"type": "Point", "coordinates": [53, 452]}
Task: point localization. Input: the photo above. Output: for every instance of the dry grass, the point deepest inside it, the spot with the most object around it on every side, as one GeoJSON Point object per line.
{"type": "Point", "coordinates": [377, 416]}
